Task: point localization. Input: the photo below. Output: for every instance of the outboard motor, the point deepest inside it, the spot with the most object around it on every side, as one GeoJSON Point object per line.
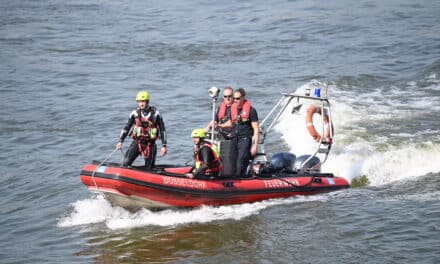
{"type": "Point", "coordinates": [314, 164]}
{"type": "Point", "coordinates": [283, 161]}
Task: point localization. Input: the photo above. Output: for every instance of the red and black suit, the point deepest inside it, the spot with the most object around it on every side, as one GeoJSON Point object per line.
{"type": "Point", "coordinates": [144, 126]}
{"type": "Point", "coordinates": [242, 132]}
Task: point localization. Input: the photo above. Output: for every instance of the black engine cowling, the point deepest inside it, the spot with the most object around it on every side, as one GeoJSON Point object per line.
{"type": "Point", "coordinates": [283, 161]}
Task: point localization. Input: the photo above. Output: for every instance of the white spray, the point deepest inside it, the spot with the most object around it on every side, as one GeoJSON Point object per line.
{"type": "Point", "coordinates": [356, 153]}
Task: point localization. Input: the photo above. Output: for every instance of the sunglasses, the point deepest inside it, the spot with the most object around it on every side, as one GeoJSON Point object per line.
{"type": "Point", "coordinates": [227, 96]}
{"type": "Point", "coordinates": [237, 98]}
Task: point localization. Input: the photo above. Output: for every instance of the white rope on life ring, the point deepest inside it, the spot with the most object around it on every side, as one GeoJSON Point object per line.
{"type": "Point", "coordinates": [311, 110]}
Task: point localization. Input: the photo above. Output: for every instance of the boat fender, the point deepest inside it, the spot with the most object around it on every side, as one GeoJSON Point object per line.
{"type": "Point", "coordinates": [314, 164]}
{"type": "Point", "coordinates": [282, 161]}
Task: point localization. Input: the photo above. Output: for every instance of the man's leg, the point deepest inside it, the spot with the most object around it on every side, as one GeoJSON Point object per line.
{"type": "Point", "coordinates": [151, 159]}
{"type": "Point", "coordinates": [243, 155]}
{"type": "Point", "coordinates": [131, 154]}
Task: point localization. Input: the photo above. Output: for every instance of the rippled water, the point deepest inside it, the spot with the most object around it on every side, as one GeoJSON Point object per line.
{"type": "Point", "coordinates": [69, 71]}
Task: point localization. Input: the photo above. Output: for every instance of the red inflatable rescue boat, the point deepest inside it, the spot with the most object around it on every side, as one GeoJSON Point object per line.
{"type": "Point", "coordinates": [166, 186]}
{"type": "Point", "coordinates": [285, 175]}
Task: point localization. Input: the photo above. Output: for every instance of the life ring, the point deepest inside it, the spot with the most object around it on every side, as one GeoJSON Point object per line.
{"type": "Point", "coordinates": [311, 128]}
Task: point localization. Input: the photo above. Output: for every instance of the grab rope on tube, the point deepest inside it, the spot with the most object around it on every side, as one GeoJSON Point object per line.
{"type": "Point", "coordinates": [102, 162]}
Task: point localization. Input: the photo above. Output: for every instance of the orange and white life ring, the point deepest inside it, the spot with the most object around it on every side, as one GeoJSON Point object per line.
{"type": "Point", "coordinates": [311, 128]}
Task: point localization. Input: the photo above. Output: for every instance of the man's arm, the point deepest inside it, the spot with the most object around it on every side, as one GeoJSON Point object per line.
{"type": "Point", "coordinates": [255, 138]}
{"type": "Point", "coordinates": [126, 129]}
{"type": "Point", "coordinates": [256, 129]}
{"type": "Point", "coordinates": [162, 130]}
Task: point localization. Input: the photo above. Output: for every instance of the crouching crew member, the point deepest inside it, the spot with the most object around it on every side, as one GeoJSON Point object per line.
{"type": "Point", "coordinates": [147, 126]}
{"type": "Point", "coordinates": [206, 158]}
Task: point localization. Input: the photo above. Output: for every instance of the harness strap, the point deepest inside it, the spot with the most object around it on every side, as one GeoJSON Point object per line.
{"type": "Point", "coordinates": [146, 151]}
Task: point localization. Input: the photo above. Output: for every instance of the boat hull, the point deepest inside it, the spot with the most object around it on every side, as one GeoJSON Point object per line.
{"type": "Point", "coordinates": [133, 189]}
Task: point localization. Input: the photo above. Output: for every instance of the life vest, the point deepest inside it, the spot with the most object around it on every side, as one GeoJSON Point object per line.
{"type": "Point", "coordinates": [145, 128]}
{"type": "Point", "coordinates": [222, 117]}
{"type": "Point", "coordinates": [216, 167]}
{"type": "Point", "coordinates": [245, 112]}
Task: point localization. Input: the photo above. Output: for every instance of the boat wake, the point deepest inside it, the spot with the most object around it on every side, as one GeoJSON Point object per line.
{"type": "Point", "coordinates": [97, 210]}
{"type": "Point", "coordinates": [365, 144]}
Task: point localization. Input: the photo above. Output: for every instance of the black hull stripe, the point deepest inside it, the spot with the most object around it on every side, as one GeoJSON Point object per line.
{"type": "Point", "coordinates": [228, 192]}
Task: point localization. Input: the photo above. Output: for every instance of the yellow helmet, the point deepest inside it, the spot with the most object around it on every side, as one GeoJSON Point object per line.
{"type": "Point", "coordinates": [198, 133]}
{"type": "Point", "coordinates": [143, 96]}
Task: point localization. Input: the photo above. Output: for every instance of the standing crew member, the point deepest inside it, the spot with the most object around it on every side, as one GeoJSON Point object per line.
{"type": "Point", "coordinates": [147, 126]}
{"type": "Point", "coordinates": [245, 131]}
{"type": "Point", "coordinates": [206, 158]}
{"type": "Point", "coordinates": [222, 119]}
